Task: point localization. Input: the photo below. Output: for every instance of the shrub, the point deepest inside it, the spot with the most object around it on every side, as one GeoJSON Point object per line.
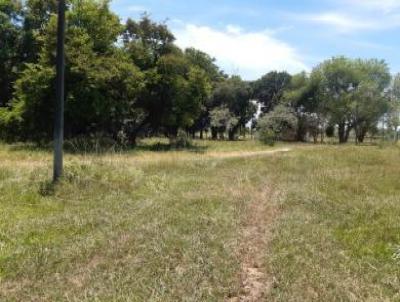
{"type": "Point", "coordinates": [182, 140]}
{"type": "Point", "coordinates": [266, 136]}
{"type": "Point", "coordinates": [276, 124]}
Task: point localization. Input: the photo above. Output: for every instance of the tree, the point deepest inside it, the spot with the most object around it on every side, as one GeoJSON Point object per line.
{"type": "Point", "coordinates": [175, 93]}
{"type": "Point", "coordinates": [222, 120]}
{"type": "Point", "coordinates": [352, 93]}
{"type": "Point", "coordinates": [394, 107]}
{"type": "Point", "coordinates": [10, 43]}
{"type": "Point", "coordinates": [214, 74]}
{"type": "Point", "coordinates": [147, 41]}
{"type": "Point", "coordinates": [370, 102]}
{"type": "Point", "coordinates": [338, 79]}
{"type": "Point", "coordinates": [235, 94]}
{"type": "Point", "coordinates": [205, 62]}
{"type": "Point", "coordinates": [177, 84]}
{"type": "Point", "coordinates": [277, 123]}
{"type": "Point", "coordinates": [37, 14]}
{"type": "Point", "coordinates": [302, 95]}
{"type": "Point", "coordinates": [269, 90]}
{"type": "Point", "coordinates": [368, 107]}
{"type": "Point", "coordinates": [102, 83]}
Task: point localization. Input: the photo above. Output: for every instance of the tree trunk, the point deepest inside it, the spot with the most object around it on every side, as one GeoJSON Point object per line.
{"type": "Point", "coordinates": [132, 140]}
{"type": "Point", "coordinates": [214, 133]}
{"type": "Point", "coordinates": [231, 135]}
{"type": "Point", "coordinates": [341, 133]}
{"type": "Point", "coordinates": [347, 134]}
{"type": "Point", "coordinates": [360, 135]}
{"type": "Point", "coordinates": [201, 134]}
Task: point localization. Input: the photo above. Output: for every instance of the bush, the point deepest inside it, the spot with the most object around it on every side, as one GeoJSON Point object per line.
{"type": "Point", "coordinates": [182, 140]}
{"type": "Point", "coordinates": [276, 124]}
{"type": "Point", "coordinates": [267, 136]}
{"type": "Point", "coordinates": [10, 126]}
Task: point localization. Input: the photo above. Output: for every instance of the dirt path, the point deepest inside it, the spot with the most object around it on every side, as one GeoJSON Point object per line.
{"type": "Point", "coordinates": [246, 153]}
{"type": "Point", "coordinates": [255, 283]}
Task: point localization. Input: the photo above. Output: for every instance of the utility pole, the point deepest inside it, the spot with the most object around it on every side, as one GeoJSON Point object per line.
{"type": "Point", "coordinates": [59, 105]}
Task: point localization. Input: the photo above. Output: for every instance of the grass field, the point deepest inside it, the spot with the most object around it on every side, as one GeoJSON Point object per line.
{"type": "Point", "coordinates": [174, 225]}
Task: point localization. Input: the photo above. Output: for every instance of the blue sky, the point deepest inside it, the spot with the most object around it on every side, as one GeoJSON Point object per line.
{"type": "Point", "coordinates": [253, 37]}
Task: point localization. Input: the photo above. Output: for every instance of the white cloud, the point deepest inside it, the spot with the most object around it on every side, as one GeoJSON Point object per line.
{"type": "Point", "coordinates": [386, 6]}
{"type": "Point", "coordinates": [249, 54]}
{"type": "Point", "coordinates": [341, 22]}
{"type": "Point", "coordinates": [346, 23]}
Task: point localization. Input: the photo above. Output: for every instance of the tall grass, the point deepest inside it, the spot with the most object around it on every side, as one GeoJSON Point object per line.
{"type": "Point", "coordinates": [339, 233]}
{"type": "Point", "coordinates": [165, 226]}
{"type": "Point", "coordinates": [142, 226]}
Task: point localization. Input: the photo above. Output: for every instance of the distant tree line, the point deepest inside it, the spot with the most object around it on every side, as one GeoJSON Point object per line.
{"type": "Point", "coordinates": [125, 81]}
{"type": "Point", "coordinates": [339, 96]}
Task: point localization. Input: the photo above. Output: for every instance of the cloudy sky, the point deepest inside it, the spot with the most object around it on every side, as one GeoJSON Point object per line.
{"type": "Point", "coordinates": [252, 37]}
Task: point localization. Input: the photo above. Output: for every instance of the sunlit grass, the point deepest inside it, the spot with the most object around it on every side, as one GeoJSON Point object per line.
{"type": "Point", "coordinates": [339, 229]}
{"type": "Point", "coordinates": [141, 225]}
{"type": "Point", "coordinates": [132, 226]}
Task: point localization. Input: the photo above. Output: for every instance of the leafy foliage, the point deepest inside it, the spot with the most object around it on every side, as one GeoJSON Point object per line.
{"type": "Point", "coordinates": [277, 123]}
{"type": "Point", "coordinates": [129, 80]}
{"type": "Point", "coordinates": [269, 90]}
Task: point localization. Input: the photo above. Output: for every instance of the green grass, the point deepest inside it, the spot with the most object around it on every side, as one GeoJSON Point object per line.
{"type": "Point", "coordinates": [165, 226]}
{"type": "Point", "coordinates": [125, 227]}
{"type": "Point", "coordinates": [339, 231]}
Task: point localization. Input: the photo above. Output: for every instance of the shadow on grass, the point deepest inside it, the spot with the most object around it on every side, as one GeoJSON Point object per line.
{"type": "Point", "coordinates": [165, 147]}
{"type": "Point", "coordinates": [103, 150]}
{"type": "Point", "coordinates": [47, 188]}
{"type": "Point", "coordinates": [29, 147]}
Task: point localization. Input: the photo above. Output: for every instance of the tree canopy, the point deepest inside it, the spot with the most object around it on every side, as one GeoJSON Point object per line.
{"type": "Point", "coordinates": [132, 78]}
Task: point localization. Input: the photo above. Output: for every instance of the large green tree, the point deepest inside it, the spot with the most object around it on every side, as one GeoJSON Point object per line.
{"type": "Point", "coordinates": [235, 94]}
{"type": "Point", "coordinates": [10, 46]}
{"type": "Point", "coordinates": [215, 76]}
{"type": "Point", "coordinates": [175, 93]}
{"type": "Point", "coordinates": [269, 89]}
{"type": "Point", "coordinates": [102, 83]}
{"type": "Point", "coordinates": [37, 14]}
{"type": "Point", "coordinates": [302, 96]}
{"type": "Point", "coordinates": [352, 92]}
{"type": "Point", "coordinates": [338, 80]}
{"type": "Point", "coordinates": [146, 41]}
{"type": "Point", "coordinates": [393, 114]}
{"type": "Point", "coordinates": [370, 101]}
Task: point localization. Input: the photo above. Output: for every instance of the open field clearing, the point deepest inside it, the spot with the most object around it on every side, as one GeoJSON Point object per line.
{"type": "Point", "coordinates": [222, 222]}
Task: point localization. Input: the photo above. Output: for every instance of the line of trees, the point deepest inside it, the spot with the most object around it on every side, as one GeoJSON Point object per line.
{"type": "Point", "coordinates": [339, 96]}
{"type": "Point", "coordinates": [127, 80]}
